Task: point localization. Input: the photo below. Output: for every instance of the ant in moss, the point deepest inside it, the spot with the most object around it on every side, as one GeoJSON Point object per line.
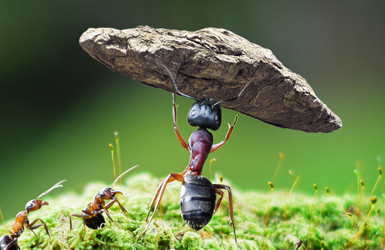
{"type": "Point", "coordinates": [9, 242]}
{"type": "Point", "coordinates": [92, 213]}
{"type": "Point", "coordinates": [198, 195]}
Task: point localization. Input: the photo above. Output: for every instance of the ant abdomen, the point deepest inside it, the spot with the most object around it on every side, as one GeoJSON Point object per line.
{"type": "Point", "coordinates": [95, 222]}
{"type": "Point", "coordinates": [197, 201]}
{"type": "Point", "coordinates": [5, 241]}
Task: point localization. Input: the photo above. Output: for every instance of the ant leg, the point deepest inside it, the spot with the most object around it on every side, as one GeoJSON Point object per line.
{"type": "Point", "coordinates": [169, 179]}
{"type": "Point", "coordinates": [176, 128]}
{"type": "Point", "coordinates": [159, 194]}
{"type": "Point", "coordinates": [108, 215]}
{"type": "Point", "coordinates": [218, 145]}
{"type": "Point", "coordinates": [74, 215]}
{"type": "Point", "coordinates": [124, 211]}
{"type": "Point", "coordinates": [220, 186]}
{"type": "Point", "coordinates": [220, 192]}
{"type": "Point", "coordinates": [81, 216]}
{"type": "Point", "coordinates": [32, 227]}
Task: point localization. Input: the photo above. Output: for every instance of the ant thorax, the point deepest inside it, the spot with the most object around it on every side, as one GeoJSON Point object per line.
{"type": "Point", "coordinates": [200, 144]}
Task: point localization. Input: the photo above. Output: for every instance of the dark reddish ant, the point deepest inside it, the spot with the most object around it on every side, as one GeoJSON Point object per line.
{"type": "Point", "coordinates": [198, 194]}
{"type": "Point", "coordinates": [92, 213]}
{"type": "Point", "coordinates": [9, 242]}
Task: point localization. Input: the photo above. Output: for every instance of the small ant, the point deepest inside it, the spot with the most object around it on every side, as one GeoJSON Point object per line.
{"type": "Point", "coordinates": [9, 242]}
{"type": "Point", "coordinates": [92, 213]}
{"type": "Point", "coordinates": [198, 194]}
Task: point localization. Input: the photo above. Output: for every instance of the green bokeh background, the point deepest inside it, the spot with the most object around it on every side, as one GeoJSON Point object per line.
{"type": "Point", "coordinates": [59, 107]}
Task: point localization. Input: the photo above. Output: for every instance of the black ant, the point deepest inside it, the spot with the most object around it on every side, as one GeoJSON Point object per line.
{"type": "Point", "coordinates": [198, 194]}
{"type": "Point", "coordinates": [9, 242]}
{"type": "Point", "coordinates": [92, 213]}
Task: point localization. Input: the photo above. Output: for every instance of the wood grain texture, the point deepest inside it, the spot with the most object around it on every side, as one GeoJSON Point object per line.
{"type": "Point", "coordinates": [214, 63]}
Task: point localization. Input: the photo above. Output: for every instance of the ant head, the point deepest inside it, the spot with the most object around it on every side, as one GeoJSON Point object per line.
{"type": "Point", "coordinates": [108, 193]}
{"type": "Point", "coordinates": [204, 113]}
{"type": "Point", "coordinates": [34, 205]}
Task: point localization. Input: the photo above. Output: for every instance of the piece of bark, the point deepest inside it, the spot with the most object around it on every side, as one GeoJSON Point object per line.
{"type": "Point", "coordinates": [214, 63]}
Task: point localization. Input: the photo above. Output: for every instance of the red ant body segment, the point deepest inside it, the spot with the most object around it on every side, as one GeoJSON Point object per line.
{"type": "Point", "coordinates": [198, 194]}
{"type": "Point", "coordinates": [9, 242]}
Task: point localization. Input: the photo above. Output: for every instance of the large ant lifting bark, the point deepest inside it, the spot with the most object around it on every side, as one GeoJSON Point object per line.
{"type": "Point", "coordinates": [92, 213]}
{"type": "Point", "coordinates": [198, 195]}
{"type": "Point", "coordinates": [9, 242]}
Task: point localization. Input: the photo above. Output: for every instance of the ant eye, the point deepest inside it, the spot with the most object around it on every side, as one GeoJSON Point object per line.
{"type": "Point", "coordinates": [193, 113]}
{"type": "Point", "coordinates": [216, 118]}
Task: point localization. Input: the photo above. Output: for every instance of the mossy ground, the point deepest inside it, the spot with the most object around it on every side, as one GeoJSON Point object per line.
{"type": "Point", "coordinates": [337, 227]}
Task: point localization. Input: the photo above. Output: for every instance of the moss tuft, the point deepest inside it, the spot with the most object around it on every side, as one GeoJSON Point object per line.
{"type": "Point", "coordinates": [332, 224]}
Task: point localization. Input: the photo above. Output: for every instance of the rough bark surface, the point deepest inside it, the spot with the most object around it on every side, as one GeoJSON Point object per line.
{"type": "Point", "coordinates": [214, 63]}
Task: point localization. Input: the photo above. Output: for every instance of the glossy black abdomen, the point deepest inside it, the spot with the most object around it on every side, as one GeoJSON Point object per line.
{"type": "Point", "coordinates": [197, 201]}
{"type": "Point", "coordinates": [5, 240]}
{"type": "Point", "coordinates": [95, 222]}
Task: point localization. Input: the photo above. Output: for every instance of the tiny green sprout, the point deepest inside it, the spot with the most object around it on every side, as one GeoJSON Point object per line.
{"type": "Point", "coordinates": [379, 171]}
{"type": "Point", "coordinates": [281, 156]}
{"type": "Point", "coordinates": [378, 211]}
{"type": "Point", "coordinates": [356, 172]}
{"type": "Point", "coordinates": [362, 183]}
{"type": "Point", "coordinates": [211, 169]}
{"type": "Point", "coordinates": [2, 216]}
{"type": "Point", "coordinates": [118, 151]}
{"type": "Point", "coordinates": [315, 187]}
{"type": "Point", "coordinates": [379, 160]}
{"type": "Point", "coordinates": [373, 200]}
{"type": "Point", "coordinates": [327, 190]}
{"type": "Point", "coordinates": [349, 214]}
{"type": "Point", "coordinates": [221, 179]}
{"type": "Point", "coordinates": [268, 206]}
{"type": "Point", "coordinates": [113, 159]}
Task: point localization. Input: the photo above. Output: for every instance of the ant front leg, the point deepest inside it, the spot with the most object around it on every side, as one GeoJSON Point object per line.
{"type": "Point", "coordinates": [32, 227]}
{"type": "Point", "coordinates": [220, 192]}
{"type": "Point", "coordinates": [218, 145]}
{"type": "Point", "coordinates": [124, 211]}
{"type": "Point", "coordinates": [176, 128]}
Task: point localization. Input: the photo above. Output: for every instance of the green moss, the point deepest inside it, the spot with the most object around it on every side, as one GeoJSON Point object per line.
{"type": "Point", "coordinates": [333, 229]}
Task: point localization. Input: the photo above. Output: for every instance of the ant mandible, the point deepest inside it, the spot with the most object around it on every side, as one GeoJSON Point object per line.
{"type": "Point", "coordinates": [9, 242]}
{"type": "Point", "coordinates": [92, 213]}
{"type": "Point", "coordinates": [198, 194]}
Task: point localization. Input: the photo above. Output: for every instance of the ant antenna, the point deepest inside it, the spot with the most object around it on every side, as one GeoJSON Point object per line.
{"type": "Point", "coordinates": [176, 88]}
{"type": "Point", "coordinates": [57, 185]}
{"type": "Point", "coordinates": [123, 174]}
{"type": "Point", "coordinates": [235, 98]}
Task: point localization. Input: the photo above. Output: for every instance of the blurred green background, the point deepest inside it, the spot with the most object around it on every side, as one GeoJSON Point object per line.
{"type": "Point", "coordinates": [59, 107]}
